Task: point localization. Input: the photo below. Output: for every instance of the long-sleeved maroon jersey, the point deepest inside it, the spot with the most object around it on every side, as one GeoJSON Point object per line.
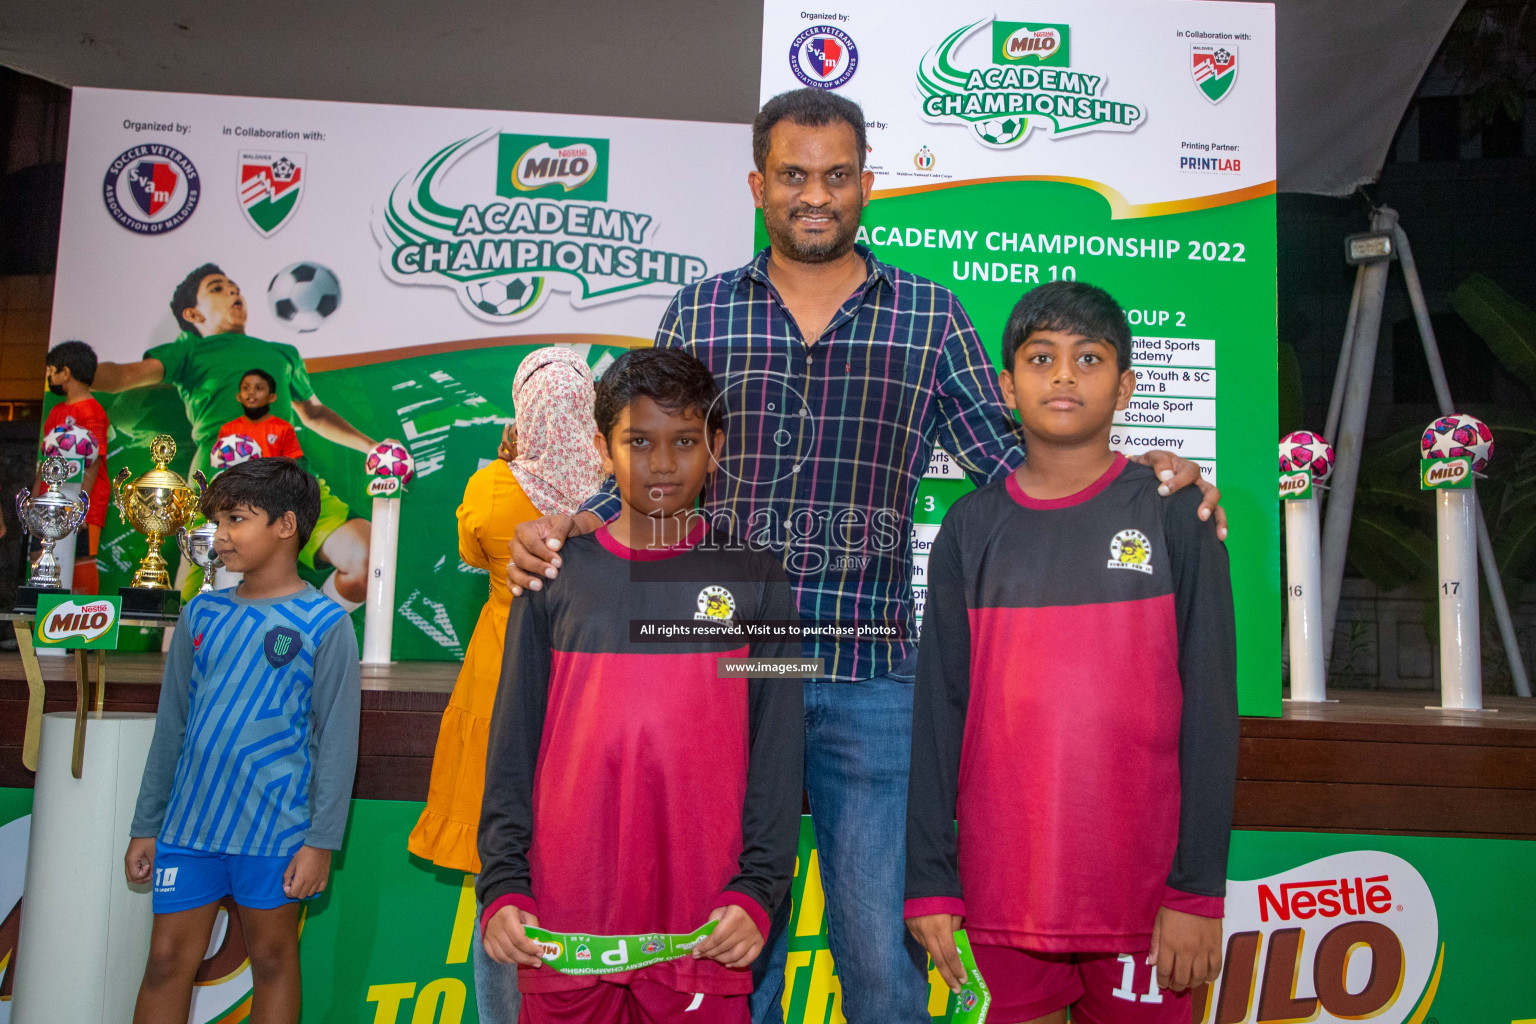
{"type": "Point", "coordinates": [628, 789]}
{"type": "Point", "coordinates": [1076, 710]}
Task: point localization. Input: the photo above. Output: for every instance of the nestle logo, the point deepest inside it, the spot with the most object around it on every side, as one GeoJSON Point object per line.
{"type": "Point", "coordinates": [1328, 898]}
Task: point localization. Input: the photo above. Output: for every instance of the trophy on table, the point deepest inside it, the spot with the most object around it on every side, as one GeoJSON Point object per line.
{"type": "Point", "coordinates": [50, 517]}
{"type": "Point", "coordinates": [157, 504]}
{"type": "Point", "coordinates": [197, 545]}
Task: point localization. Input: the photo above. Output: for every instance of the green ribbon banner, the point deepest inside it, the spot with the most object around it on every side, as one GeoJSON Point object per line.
{"type": "Point", "coordinates": [971, 1003]}
{"type": "Point", "coordinates": [576, 953]}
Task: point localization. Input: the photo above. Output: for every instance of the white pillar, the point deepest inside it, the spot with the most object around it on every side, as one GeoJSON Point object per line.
{"type": "Point", "coordinates": [1461, 653]}
{"type": "Point", "coordinates": [84, 933]}
{"type": "Point", "coordinates": [1304, 600]}
{"type": "Point", "coordinates": [379, 605]}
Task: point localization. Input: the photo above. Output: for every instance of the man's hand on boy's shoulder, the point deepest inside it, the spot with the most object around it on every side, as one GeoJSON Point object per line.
{"type": "Point", "coordinates": [307, 873]}
{"type": "Point", "coordinates": [139, 861]}
{"type": "Point", "coordinates": [735, 942]}
{"type": "Point", "coordinates": [536, 545]}
{"type": "Point", "coordinates": [507, 941]}
{"type": "Point", "coordinates": [1177, 473]}
{"type": "Point", "coordinates": [1186, 949]}
{"type": "Point", "coordinates": [936, 934]}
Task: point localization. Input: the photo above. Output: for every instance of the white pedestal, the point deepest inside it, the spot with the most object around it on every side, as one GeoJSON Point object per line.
{"type": "Point", "coordinates": [1304, 600]}
{"type": "Point", "coordinates": [1461, 644]}
{"type": "Point", "coordinates": [84, 934]}
{"type": "Point", "coordinates": [379, 605]}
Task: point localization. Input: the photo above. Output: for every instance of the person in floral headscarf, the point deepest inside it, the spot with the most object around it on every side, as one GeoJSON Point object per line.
{"type": "Point", "coordinates": [550, 465]}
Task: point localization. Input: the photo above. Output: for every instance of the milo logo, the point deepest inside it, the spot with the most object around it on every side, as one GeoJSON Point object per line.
{"type": "Point", "coordinates": [1347, 937]}
{"type": "Point", "coordinates": [1037, 43]}
{"type": "Point", "coordinates": [1444, 474]}
{"type": "Point", "coordinates": [564, 168]}
{"type": "Point", "coordinates": [383, 486]}
{"type": "Point", "coordinates": [86, 619]}
{"type": "Point", "coordinates": [1296, 485]}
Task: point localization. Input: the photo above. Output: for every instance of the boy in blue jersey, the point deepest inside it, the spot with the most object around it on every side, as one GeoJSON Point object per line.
{"type": "Point", "coordinates": [249, 776]}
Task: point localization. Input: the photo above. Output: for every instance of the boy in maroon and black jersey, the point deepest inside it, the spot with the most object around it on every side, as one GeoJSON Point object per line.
{"type": "Point", "coordinates": [1075, 706]}
{"type": "Point", "coordinates": [629, 789]}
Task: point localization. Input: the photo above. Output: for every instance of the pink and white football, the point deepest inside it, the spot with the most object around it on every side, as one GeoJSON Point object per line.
{"type": "Point", "coordinates": [1305, 449]}
{"type": "Point", "coordinates": [1457, 436]}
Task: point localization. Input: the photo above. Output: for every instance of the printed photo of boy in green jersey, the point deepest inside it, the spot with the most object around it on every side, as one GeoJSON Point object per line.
{"type": "Point", "coordinates": [205, 364]}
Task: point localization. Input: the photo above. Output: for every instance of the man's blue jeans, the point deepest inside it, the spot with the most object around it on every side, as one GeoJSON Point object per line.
{"type": "Point", "coordinates": [858, 745]}
{"type": "Point", "coordinates": [496, 996]}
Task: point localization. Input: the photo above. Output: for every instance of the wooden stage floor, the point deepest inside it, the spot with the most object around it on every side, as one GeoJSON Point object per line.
{"type": "Point", "coordinates": [1372, 762]}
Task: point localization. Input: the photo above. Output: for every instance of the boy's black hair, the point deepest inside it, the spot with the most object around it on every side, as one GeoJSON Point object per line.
{"type": "Point", "coordinates": [264, 375]}
{"type": "Point", "coordinates": [809, 108]}
{"type": "Point", "coordinates": [185, 295]}
{"type": "Point", "coordinates": [75, 356]}
{"type": "Point", "coordinates": [1071, 307]}
{"type": "Point", "coordinates": [673, 379]}
{"type": "Point", "coordinates": [273, 485]}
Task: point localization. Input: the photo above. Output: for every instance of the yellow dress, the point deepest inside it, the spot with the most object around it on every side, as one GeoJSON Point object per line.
{"type": "Point", "coordinates": [494, 505]}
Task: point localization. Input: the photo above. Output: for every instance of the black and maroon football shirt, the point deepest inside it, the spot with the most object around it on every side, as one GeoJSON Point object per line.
{"type": "Point", "coordinates": [629, 789]}
{"type": "Point", "coordinates": [1076, 710]}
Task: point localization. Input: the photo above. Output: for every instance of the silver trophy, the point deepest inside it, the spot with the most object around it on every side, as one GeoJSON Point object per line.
{"type": "Point", "coordinates": [197, 545]}
{"type": "Point", "coordinates": [50, 517]}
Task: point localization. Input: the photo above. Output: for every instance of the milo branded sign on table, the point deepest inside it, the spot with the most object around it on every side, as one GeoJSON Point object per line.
{"type": "Point", "coordinates": [1114, 143]}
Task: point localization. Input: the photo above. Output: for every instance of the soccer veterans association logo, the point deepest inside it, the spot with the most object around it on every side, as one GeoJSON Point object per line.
{"type": "Point", "coordinates": [1130, 550]}
{"type": "Point", "coordinates": [271, 185]}
{"type": "Point", "coordinates": [823, 57]}
{"type": "Point", "coordinates": [151, 189]}
{"type": "Point", "coordinates": [1214, 69]}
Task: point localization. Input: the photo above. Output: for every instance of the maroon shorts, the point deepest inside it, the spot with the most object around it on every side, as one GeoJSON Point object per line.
{"type": "Point", "coordinates": [1101, 988]}
{"type": "Point", "coordinates": [639, 1002]}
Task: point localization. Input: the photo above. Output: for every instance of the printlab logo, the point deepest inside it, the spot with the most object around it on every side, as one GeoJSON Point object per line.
{"type": "Point", "coordinates": [151, 189]}
{"type": "Point", "coordinates": [271, 185]}
{"type": "Point", "coordinates": [1029, 84]}
{"type": "Point", "coordinates": [1214, 69]}
{"type": "Point", "coordinates": [281, 645]}
{"type": "Point", "coordinates": [1130, 550]}
{"type": "Point", "coordinates": [1352, 936]}
{"type": "Point", "coordinates": [165, 878]}
{"type": "Point", "coordinates": [544, 223]}
{"type": "Point", "coordinates": [823, 57]}
{"type": "Point", "coordinates": [924, 160]}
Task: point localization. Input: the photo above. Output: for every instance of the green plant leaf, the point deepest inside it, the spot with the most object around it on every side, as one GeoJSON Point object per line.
{"type": "Point", "coordinates": [1390, 552]}
{"type": "Point", "coordinates": [1506, 324]}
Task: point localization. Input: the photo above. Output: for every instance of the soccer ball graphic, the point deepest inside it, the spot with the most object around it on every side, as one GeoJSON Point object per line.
{"type": "Point", "coordinates": [501, 298]}
{"type": "Point", "coordinates": [1001, 132]}
{"type": "Point", "coordinates": [302, 295]}
{"type": "Point", "coordinates": [72, 441]}
{"type": "Point", "coordinates": [389, 458]}
{"type": "Point", "coordinates": [233, 449]}
{"type": "Point", "coordinates": [1303, 449]}
{"type": "Point", "coordinates": [1458, 435]}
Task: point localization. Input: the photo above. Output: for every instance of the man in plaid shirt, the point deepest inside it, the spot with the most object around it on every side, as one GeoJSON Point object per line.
{"type": "Point", "coordinates": [839, 374]}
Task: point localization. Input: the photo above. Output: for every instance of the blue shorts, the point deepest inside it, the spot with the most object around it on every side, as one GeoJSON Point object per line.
{"type": "Point", "coordinates": [187, 879]}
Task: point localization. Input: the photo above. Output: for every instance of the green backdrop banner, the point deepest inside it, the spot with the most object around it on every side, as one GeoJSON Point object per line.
{"type": "Point", "coordinates": [1324, 927]}
{"type": "Point", "coordinates": [1128, 144]}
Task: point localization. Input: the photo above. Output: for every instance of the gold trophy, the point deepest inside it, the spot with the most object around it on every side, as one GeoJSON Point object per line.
{"type": "Point", "coordinates": [157, 504]}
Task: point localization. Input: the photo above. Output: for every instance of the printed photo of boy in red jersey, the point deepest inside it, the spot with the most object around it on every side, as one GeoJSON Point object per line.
{"type": "Point", "coordinates": [630, 789]}
{"type": "Point", "coordinates": [272, 435]}
{"type": "Point", "coordinates": [71, 369]}
{"type": "Point", "coordinates": [1075, 706]}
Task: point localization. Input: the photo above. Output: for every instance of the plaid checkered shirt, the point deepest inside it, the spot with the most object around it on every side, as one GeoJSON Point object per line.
{"type": "Point", "coordinates": [825, 443]}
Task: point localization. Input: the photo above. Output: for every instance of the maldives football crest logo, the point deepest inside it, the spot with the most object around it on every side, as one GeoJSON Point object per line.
{"type": "Point", "coordinates": [271, 185]}
{"type": "Point", "coordinates": [151, 189]}
{"type": "Point", "coordinates": [823, 57]}
{"type": "Point", "coordinates": [1214, 69]}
